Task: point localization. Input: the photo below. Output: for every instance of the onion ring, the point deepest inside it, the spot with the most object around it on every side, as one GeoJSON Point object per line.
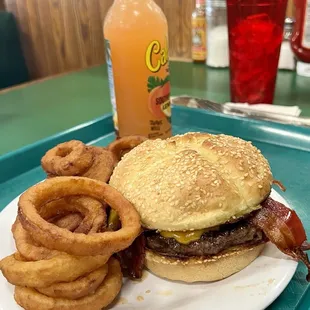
{"type": "Point", "coordinates": [30, 299]}
{"type": "Point", "coordinates": [69, 221]}
{"type": "Point", "coordinates": [19, 257]}
{"type": "Point", "coordinates": [60, 239]}
{"type": "Point", "coordinates": [41, 258]}
{"type": "Point", "coordinates": [103, 165]}
{"type": "Point", "coordinates": [123, 145]}
{"type": "Point", "coordinates": [27, 247]}
{"type": "Point", "coordinates": [93, 211]}
{"type": "Point", "coordinates": [79, 288]}
{"type": "Point", "coordinates": [68, 158]}
{"type": "Point", "coordinates": [60, 268]}
{"type": "Point", "coordinates": [74, 158]}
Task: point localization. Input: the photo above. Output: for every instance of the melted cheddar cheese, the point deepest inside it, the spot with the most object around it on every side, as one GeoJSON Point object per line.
{"type": "Point", "coordinates": [186, 237]}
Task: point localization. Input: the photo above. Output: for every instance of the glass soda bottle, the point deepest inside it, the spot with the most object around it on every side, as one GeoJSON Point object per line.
{"type": "Point", "coordinates": [136, 40]}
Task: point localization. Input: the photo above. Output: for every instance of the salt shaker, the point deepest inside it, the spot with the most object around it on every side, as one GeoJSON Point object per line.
{"type": "Point", "coordinates": [287, 59]}
{"type": "Point", "coordinates": [217, 34]}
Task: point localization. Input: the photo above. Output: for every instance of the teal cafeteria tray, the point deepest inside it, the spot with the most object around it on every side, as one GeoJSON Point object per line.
{"type": "Point", "coordinates": [286, 147]}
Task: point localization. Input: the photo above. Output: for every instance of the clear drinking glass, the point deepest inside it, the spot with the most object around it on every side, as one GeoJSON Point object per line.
{"type": "Point", "coordinates": [255, 35]}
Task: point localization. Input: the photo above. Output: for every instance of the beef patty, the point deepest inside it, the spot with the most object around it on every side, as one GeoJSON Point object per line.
{"type": "Point", "coordinates": [210, 243]}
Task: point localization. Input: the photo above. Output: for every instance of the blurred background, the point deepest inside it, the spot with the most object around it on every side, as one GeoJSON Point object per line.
{"type": "Point", "coordinates": [57, 36]}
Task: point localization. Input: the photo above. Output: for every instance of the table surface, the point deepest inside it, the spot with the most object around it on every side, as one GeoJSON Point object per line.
{"type": "Point", "coordinates": [41, 109]}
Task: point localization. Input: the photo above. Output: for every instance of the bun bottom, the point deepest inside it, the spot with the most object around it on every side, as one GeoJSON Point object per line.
{"type": "Point", "coordinates": [197, 269]}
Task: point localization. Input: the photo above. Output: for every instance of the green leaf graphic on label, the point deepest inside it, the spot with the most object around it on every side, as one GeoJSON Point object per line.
{"type": "Point", "coordinates": [153, 82]}
{"type": "Point", "coordinates": [167, 79]}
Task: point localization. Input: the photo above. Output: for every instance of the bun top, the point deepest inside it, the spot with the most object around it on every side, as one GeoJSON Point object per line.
{"type": "Point", "coordinates": [193, 181]}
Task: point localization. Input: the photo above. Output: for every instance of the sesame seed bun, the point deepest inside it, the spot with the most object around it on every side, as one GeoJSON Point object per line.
{"type": "Point", "coordinates": [193, 181]}
{"type": "Point", "coordinates": [196, 269]}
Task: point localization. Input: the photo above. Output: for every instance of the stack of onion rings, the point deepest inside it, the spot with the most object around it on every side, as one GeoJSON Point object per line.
{"type": "Point", "coordinates": [65, 266]}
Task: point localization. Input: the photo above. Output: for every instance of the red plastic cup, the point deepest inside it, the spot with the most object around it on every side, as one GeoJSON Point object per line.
{"type": "Point", "coordinates": [255, 35]}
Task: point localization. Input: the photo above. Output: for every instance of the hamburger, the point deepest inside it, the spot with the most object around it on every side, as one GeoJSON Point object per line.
{"type": "Point", "coordinates": [204, 205]}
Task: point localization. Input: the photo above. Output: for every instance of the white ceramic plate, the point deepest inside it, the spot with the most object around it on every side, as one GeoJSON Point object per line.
{"type": "Point", "coordinates": [255, 287]}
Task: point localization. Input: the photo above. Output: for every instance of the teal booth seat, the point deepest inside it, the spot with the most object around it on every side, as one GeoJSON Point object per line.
{"type": "Point", "coordinates": [13, 68]}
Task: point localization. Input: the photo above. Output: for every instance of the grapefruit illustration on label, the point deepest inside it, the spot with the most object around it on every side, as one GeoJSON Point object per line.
{"type": "Point", "coordinates": [159, 97]}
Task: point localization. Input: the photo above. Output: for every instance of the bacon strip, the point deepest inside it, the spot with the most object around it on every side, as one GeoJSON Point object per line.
{"type": "Point", "coordinates": [132, 259]}
{"type": "Point", "coordinates": [280, 224]}
{"type": "Point", "coordinates": [279, 183]}
{"type": "Point", "coordinates": [283, 227]}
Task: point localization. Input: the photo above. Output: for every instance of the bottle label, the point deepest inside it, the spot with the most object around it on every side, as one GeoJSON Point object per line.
{"type": "Point", "coordinates": [306, 33]}
{"type": "Point", "coordinates": [199, 38]}
{"type": "Point", "coordinates": [158, 86]}
{"type": "Point", "coordinates": [111, 82]}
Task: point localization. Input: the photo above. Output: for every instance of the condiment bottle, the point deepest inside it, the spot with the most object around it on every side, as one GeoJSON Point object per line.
{"type": "Point", "coordinates": [301, 32]}
{"type": "Point", "coordinates": [199, 32]}
{"type": "Point", "coordinates": [136, 40]}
